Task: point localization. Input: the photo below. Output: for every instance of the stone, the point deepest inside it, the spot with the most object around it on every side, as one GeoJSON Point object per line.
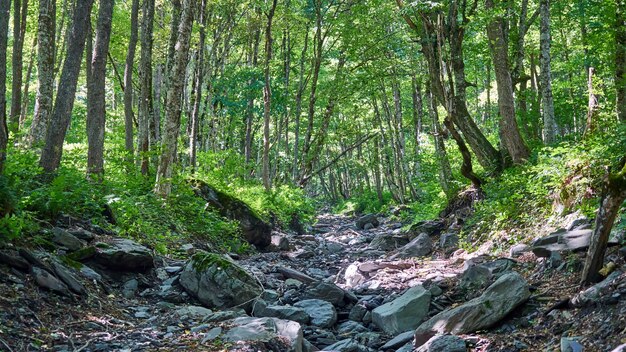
{"type": "Point", "coordinates": [13, 259]}
{"type": "Point", "coordinates": [347, 345]}
{"type": "Point", "coordinates": [518, 249]}
{"type": "Point", "coordinates": [595, 292]}
{"type": "Point", "coordinates": [194, 312]}
{"type": "Point", "coordinates": [571, 344]}
{"type": "Point", "coordinates": [172, 270]}
{"type": "Point", "coordinates": [262, 310]}
{"type": "Point", "coordinates": [368, 226]}
{"type": "Point", "coordinates": [429, 227]}
{"type": "Point", "coordinates": [420, 246]}
{"type": "Point", "coordinates": [82, 234]}
{"type": "Point", "coordinates": [444, 343]}
{"type": "Point", "coordinates": [620, 348]}
{"type": "Point", "coordinates": [270, 295]}
{"type": "Point", "coordinates": [212, 334]}
{"type": "Point", "coordinates": [403, 313]}
{"type": "Point", "coordinates": [499, 299]}
{"type": "Point", "coordinates": [66, 239]}
{"type": "Point", "coordinates": [218, 282]}
{"type": "Point", "coordinates": [353, 275]}
{"type": "Point", "coordinates": [322, 313]}
{"type": "Point", "coordinates": [357, 312]}
{"type": "Point", "coordinates": [326, 291]}
{"type": "Point", "coordinates": [255, 230]}
{"type": "Point", "coordinates": [130, 288]}
{"type": "Point", "coordinates": [125, 255]}
{"type": "Point", "coordinates": [333, 247]}
{"type": "Point", "coordinates": [68, 278]}
{"type": "Point", "coordinates": [398, 341]}
{"type": "Point", "coordinates": [89, 273]}
{"type": "Point", "coordinates": [449, 241]}
{"type": "Point", "coordinates": [282, 335]}
{"type": "Point", "coordinates": [350, 328]}
{"type": "Point", "coordinates": [475, 278]}
{"type": "Point", "coordinates": [280, 242]}
{"type": "Point", "coordinates": [367, 219]}
{"type": "Point", "coordinates": [562, 240]}
{"type": "Point", "coordinates": [46, 280]}
{"type": "Point", "coordinates": [388, 242]}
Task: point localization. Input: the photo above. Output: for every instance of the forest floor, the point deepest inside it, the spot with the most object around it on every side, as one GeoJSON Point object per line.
{"type": "Point", "coordinates": [115, 316]}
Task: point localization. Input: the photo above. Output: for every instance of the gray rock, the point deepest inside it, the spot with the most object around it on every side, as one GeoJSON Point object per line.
{"type": "Point", "coordinates": [82, 234]}
{"type": "Point", "coordinates": [449, 241]}
{"type": "Point", "coordinates": [444, 343]}
{"type": "Point", "coordinates": [46, 280]}
{"type": "Point", "coordinates": [89, 273]}
{"type": "Point", "coordinates": [388, 242]}
{"type": "Point", "coordinates": [14, 260]}
{"type": "Point", "coordinates": [518, 249]}
{"type": "Point", "coordinates": [367, 219]}
{"type": "Point", "coordinates": [194, 312]}
{"type": "Point", "coordinates": [357, 312]}
{"type": "Point", "coordinates": [333, 247]}
{"type": "Point", "coordinates": [280, 242]}
{"type": "Point", "coordinates": [406, 348]}
{"type": "Point", "coordinates": [65, 239]}
{"type": "Point", "coordinates": [220, 316]}
{"type": "Point", "coordinates": [326, 291]}
{"type": "Point", "coordinates": [595, 292]}
{"type": "Point", "coordinates": [271, 331]}
{"type": "Point", "coordinates": [571, 344]}
{"type": "Point", "coordinates": [368, 226]}
{"type": "Point", "coordinates": [212, 334]}
{"type": "Point", "coordinates": [270, 295]}
{"type": "Point", "coordinates": [367, 318]}
{"type": "Point", "coordinates": [504, 295]}
{"type": "Point", "coordinates": [66, 276]}
{"type": "Point", "coordinates": [350, 328]}
{"type": "Point", "coordinates": [322, 313]}
{"type": "Point", "coordinates": [124, 254]}
{"type": "Point", "coordinates": [430, 227]}
{"type": "Point", "coordinates": [404, 313]}
{"type": "Point", "coordinates": [347, 345]}
{"type": "Point", "coordinates": [172, 270]}
{"type": "Point", "coordinates": [420, 246]}
{"type": "Point", "coordinates": [398, 341]}
{"type": "Point", "coordinates": [130, 288]}
{"type": "Point", "coordinates": [262, 310]}
{"type": "Point", "coordinates": [475, 278]}
{"type": "Point", "coordinates": [354, 276]}
{"type": "Point", "coordinates": [218, 282]}
{"type": "Point", "coordinates": [562, 240]}
{"type": "Point", "coordinates": [620, 348]}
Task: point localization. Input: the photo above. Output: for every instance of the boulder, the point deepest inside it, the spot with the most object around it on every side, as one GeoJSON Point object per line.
{"type": "Point", "coordinates": [68, 278]}
{"type": "Point", "coordinates": [429, 227]}
{"type": "Point", "coordinates": [82, 234]}
{"type": "Point", "coordinates": [444, 343]}
{"type": "Point", "coordinates": [12, 259]}
{"type": "Point", "coordinates": [347, 345]}
{"type": "Point", "coordinates": [46, 280]}
{"type": "Point", "coordinates": [66, 239]}
{"type": "Point", "coordinates": [398, 341]}
{"type": "Point", "coordinates": [275, 334]}
{"type": "Point", "coordinates": [354, 276]}
{"type": "Point", "coordinates": [255, 230]}
{"type": "Point", "coordinates": [388, 242]}
{"type": "Point", "coordinates": [499, 299]}
{"type": "Point", "coordinates": [124, 254]}
{"type": "Point", "coordinates": [218, 282]}
{"type": "Point", "coordinates": [322, 313]}
{"type": "Point", "coordinates": [418, 247]}
{"type": "Point", "coordinates": [280, 242]}
{"type": "Point", "coordinates": [194, 312]}
{"type": "Point", "coordinates": [562, 240]}
{"type": "Point", "coordinates": [262, 310]}
{"type": "Point", "coordinates": [326, 291]}
{"type": "Point", "coordinates": [403, 313]}
{"type": "Point", "coordinates": [366, 219]}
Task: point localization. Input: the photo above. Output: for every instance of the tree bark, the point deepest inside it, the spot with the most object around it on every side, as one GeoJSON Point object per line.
{"type": "Point", "coordinates": [169, 141]}
{"type": "Point", "coordinates": [620, 59]}
{"type": "Point", "coordinates": [593, 106]}
{"type": "Point", "coordinates": [26, 95]}
{"type": "Point", "coordinates": [96, 110]}
{"type": "Point", "coordinates": [62, 112]}
{"type": "Point", "coordinates": [445, 171]}
{"type": "Point", "coordinates": [5, 8]}
{"type": "Point", "coordinates": [45, 71]}
{"type": "Point", "coordinates": [145, 88]}
{"type": "Point", "coordinates": [253, 62]}
{"type": "Point", "coordinates": [466, 167]}
{"type": "Point", "coordinates": [549, 121]}
{"type": "Point", "coordinates": [195, 115]}
{"type": "Point", "coordinates": [267, 100]}
{"type": "Point", "coordinates": [612, 199]}
{"type": "Point", "coordinates": [302, 83]}
{"type": "Point", "coordinates": [19, 30]}
{"type": "Point", "coordinates": [509, 131]}
{"type": "Point", "coordinates": [128, 82]}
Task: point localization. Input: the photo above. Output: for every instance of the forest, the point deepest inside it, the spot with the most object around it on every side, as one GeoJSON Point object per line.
{"type": "Point", "coordinates": [199, 128]}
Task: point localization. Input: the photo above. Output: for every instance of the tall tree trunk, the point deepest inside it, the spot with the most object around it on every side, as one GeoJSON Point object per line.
{"type": "Point", "coordinates": [549, 121]}
{"type": "Point", "coordinates": [445, 171]}
{"type": "Point", "coordinates": [509, 131]}
{"type": "Point", "coordinates": [301, 86]}
{"type": "Point", "coordinates": [318, 43]}
{"type": "Point", "coordinates": [145, 88]}
{"type": "Point", "coordinates": [5, 8]}
{"type": "Point", "coordinates": [45, 71]}
{"type": "Point", "coordinates": [96, 111]}
{"type": "Point", "coordinates": [19, 30]}
{"type": "Point", "coordinates": [66, 90]}
{"type": "Point", "coordinates": [253, 62]}
{"type": "Point", "coordinates": [128, 82]}
{"type": "Point", "coordinates": [620, 59]}
{"type": "Point", "coordinates": [195, 116]}
{"type": "Point", "coordinates": [593, 105]}
{"type": "Point", "coordinates": [26, 95]}
{"type": "Point", "coordinates": [418, 118]}
{"type": "Point", "coordinates": [267, 100]}
{"type": "Point", "coordinates": [176, 79]}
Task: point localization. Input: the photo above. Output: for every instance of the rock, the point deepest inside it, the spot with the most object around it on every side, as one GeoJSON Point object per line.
{"type": "Point", "coordinates": [404, 313]}
{"type": "Point", "coordinates": [518, 249]}
{"type": "Point", "coordinates": [420, 246]}
{"type": "Point", "coordinates": [212, 334]}
{"type": "Point", "coordinates": [368, 226]}
{"type": "Point", "coordinates": [130, 288]}
{"type": "Point", "coordinates": [333, 247]}
{"type": "Point", "coordinates": [357, 312]}
{"type": "Point", "coordinates": [353, 276]}
{"type": "Point", "coordinates": [124, 254]}
{"type": "Point", "coordinates": [46, 280]}
{"type": "Point", "coordinates": [388, 242]}
{"type": "Point", "coordinates": [322, 313]}
{"type": "Point", "coordinates": [595, 292]}
{"type": "Point", "coordinates": [398, 341]}
{"type": "Point", "coordinates": [90, 273]}
{"type": "Point", "coordinates": [276, 334]}
{"type": "Point", "coordinates": [327, 292]}
{"type": "Point", "coordinates": [449, 241]}
{"type": "Point", "coordinates": [350, 328]}
{"type": "Point", "coordinates": [65, 239]}
{"type": "Point", "coordinates": [571, 344]}
{"type": "Point", "coordinates": [262, 310]}
{"type": "Point", "coordinates": [280, 242]}
{"type": "Point", "coordinates": [429, 227]}
{"type": "Point", "coordinates": [194, 312]}
{"type": "Point", "coordinates": [504, 295]}
{"type": "Point", "coordinates": [367, 219]}
{"type": "Point", "coordinates": [295, 274]}
{"type": "Point", "coordinates": [620, 348]}
{"type": "Point", "coordinates": [270, 295]}
{"type": "Point", "coordinates": [255, 230]}
{"type": "Point", "coordinates": [475, 278]}
{"type": "Point", "coordinates": [13, 260]}
{"type": "Point", "coordinates": [66, 276]}
{"type": "Point", "coordinates": [82, 234]}
{"type": "Point", "coordinates": [347, 345]}
{"type": "Point", "coordinates": [562, 240]}
{"type": "Point", "coordinates": [444, 343]}
{"type": "Point", "coordinates": [218, 282]}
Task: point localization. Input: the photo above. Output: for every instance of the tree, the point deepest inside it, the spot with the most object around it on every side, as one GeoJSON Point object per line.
{"type": "Point", "coordinates": [145, 90]}
{"type": "Point", "coordinates": [66, 90]}
{"type": "Point", "coordinates": [549, 122]}
{"type": "Point", "coordinates": [173, 109]}
{"type": "Point", "coordinates": [128, 81]}
{"type": "Point", "coordinates": [19, 31]}
{"type": "Point", "coordinates": [195, 114]}
{"type": "Point", "coordinates": [267, 99]}
{"type": "Point", "coordinates": [45, 71]}
{"type": "Point", "coordinates": [620, 58]}
{"type": "Point", "coordinates": [5, 8]}
{"type": "Point", "coordinates": [96, 114]}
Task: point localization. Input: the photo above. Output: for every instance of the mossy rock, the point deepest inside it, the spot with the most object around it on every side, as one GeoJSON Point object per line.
{"type": "Point", "coordinates": [82, 254]}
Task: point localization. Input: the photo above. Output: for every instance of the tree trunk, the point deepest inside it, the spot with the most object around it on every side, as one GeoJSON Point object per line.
{"type": "Point", "coordinates": [253, 62]}
{"type": "Point", "coordinates": [26, 95]}
{"type": "Point", "coordinates": [592, 106]}
{"type": "Point", "coordinates": [445, 171]}
{"type": "Point", "coordinates": [145, 88]}
{"type": "Point", "coordinates": [195, 116]}
{"type": "Point", "coordinates": [620, 59]}
{"type": "Point", "coordinates": [612, 200]}
{"type": "Point", "coordinates": [19, 30]}
{"type": "Point", "coordinates": [62, 112]}
{"type": "Point", "coordinates": [509, 132]}
{"type": "Point", "coordinates": [318, 43]}
{"type": "Point", "coordinates": [5, 8]}
{"type": "Point", "coordinates": [128, 82]}
{"type": "Point", "coordinates": [301, 86]}
{"type": "Point", "coordinates": [176, 79]}
{"type": "Point", "coordinates": [267, 100]}
{"type": "Point", "coordinates": [418, 117]}
{"type": "Point", "coordinates": [45, 71]}
{"type": "Point", "coordinates": [96, 110]}
{"type": "Point", "coordinates": [549, 121]}
{"type": "Point", "coordinates": [466, 167]}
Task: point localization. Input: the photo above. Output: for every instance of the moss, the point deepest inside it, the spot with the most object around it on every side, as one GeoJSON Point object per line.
{"type": "Point", "coordinates": [204, 260]}
{"type": "Point", "coordinates": [70, 262]}
{"type": "Point", "coordinates": [82, 254]}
